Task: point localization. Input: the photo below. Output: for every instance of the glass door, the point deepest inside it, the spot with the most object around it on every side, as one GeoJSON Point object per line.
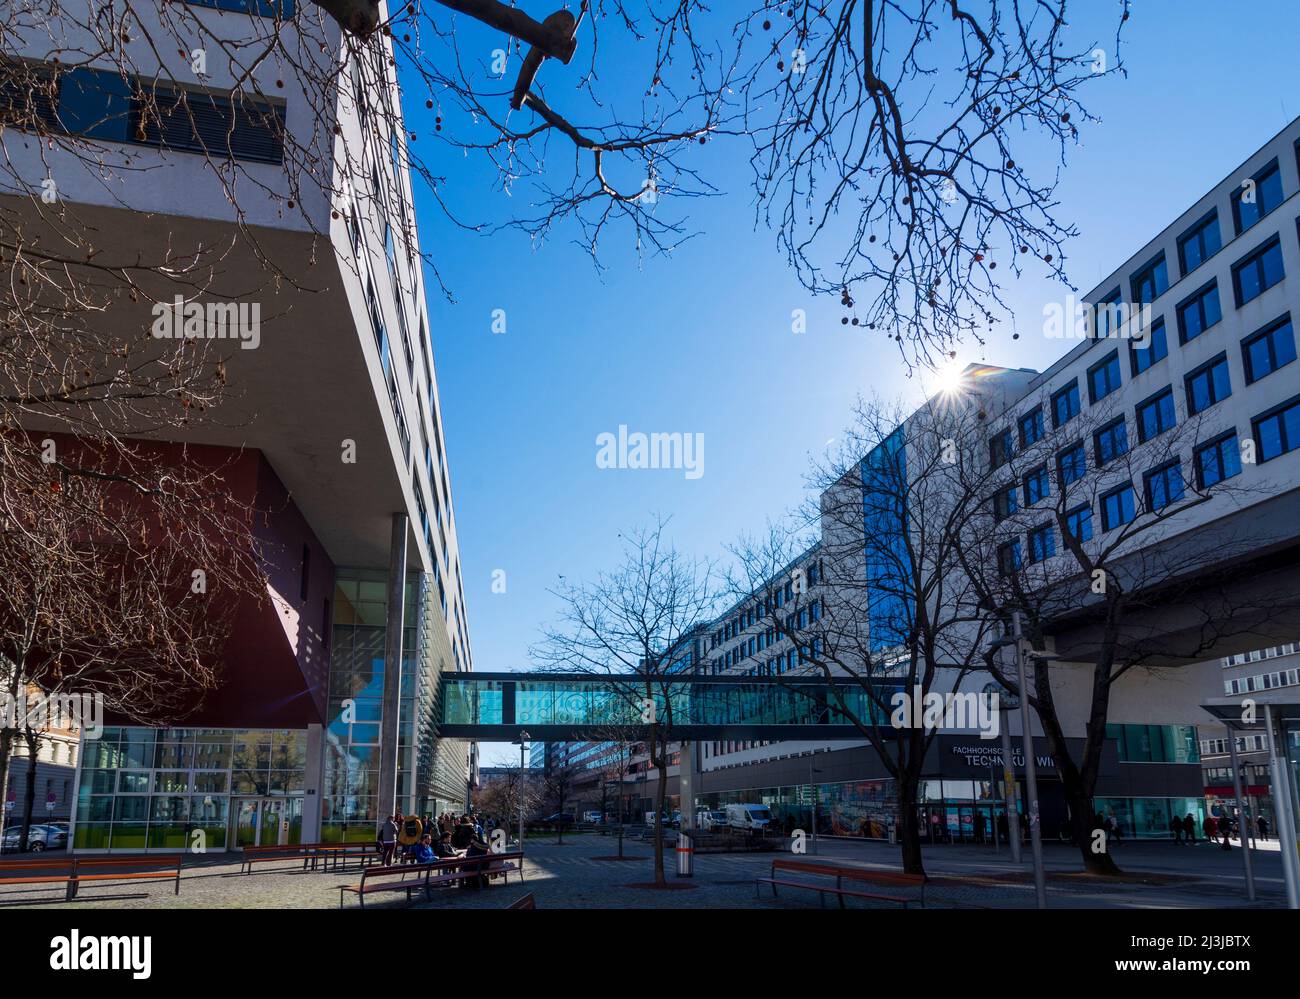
{"type": "Point", "coordinates": [271, 823]}
{"type": "Point", "coordinates": [246, 824]}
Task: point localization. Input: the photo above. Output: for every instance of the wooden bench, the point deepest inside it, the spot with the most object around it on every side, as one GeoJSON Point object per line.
{"type": "Point", "coordinates": [422, 877]}
{"type": "Point", "coordinates": [126, 869]}
{"type": "Point", "coordinates": [394, 877]}
{"type": "Point", "coordinates": [784, 868]}
{"type": "Point", "coordinates": [74, 872]}
{"type": "Point", "coordinates": [45, 872]}
{"type": "Point", "coordinates": [311, 854]}
{"type": "Point", "coordinates": [527, 902]}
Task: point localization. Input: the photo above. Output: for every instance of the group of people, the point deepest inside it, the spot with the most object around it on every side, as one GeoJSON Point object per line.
{"type": "Point", "coordinates": [425, 840]}
{"type": "Point", "coordinates": [1213, 827]}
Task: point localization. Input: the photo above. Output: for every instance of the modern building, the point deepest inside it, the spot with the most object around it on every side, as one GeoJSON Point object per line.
{"type": "Point", "coordinates": [324, 721]}
{"type": "Point", "coordinates": [1177, 409]}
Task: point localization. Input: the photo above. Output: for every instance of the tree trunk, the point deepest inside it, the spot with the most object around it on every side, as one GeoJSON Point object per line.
{"type": "Point", "coordinates": [909, 831]}
{"type": "Point", "coordinates": [661, 794]}
{"type": "Point", "coordinates": [1081, 814]}
{"type": "Point", "coordinates": [29, 799]}
{"type": "Point", "coordinates": [6, 752]}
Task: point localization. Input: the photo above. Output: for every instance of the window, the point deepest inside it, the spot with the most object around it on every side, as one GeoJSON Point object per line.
{"type": "Point", "coordinates": [1258, 272]}
{"type": "Point", "coordinates": [1198, 313]}
{"type": "Point", "coordinates": [1118, 507]}
{"type": "Point", "coordinates": [1154, 348]}
{"type": "Point", "coordinates": [1156, 415]}
{"type": "Point", "coordinates": [1110, 442]}
{"type": "Point", "coordinates": [1071, 464]}
{"type": "Point", "coordinates": [1004, 503]}
{"type": "Point", "coordinates": [1164, 485]}
{"type": "Point", "coordinates": [1199, 243]}
{"type": "Point", "coordinates": [1065, 404]}
{"type": "Point", "coordinates": [1009, 557]}
{"type": "Point", "coordinates": [1277, 431]}
{"type": "Point", "coordinates": [195, 121]}
{"type": "Point", "coordinates": [1268, 350]}
{"type": "Point", "coordinates": [1037, 485]}
{"type": "Point", "coordinates": [1103, 377]}
{"type": "Point", "coordinates": [1109, 315]}
{"type": "Point", "coordinates": [1042, 545]}
{"type": "Point", "coordinates": [1000, 449]}
{"type": "Point", "coordinates": [1218, 460]}
{"type": "Point", "coordinates": [1079, 522]}
{"type": "Point", "coordinates": [1031, 427]}
{"type": "Point", "coordinates": [1208, 384]}
{"type": "Point", "coordinates": [1151, 281]}
{"type": "Point", "coordinates": [262, 8]}
{"type": "Point", "coordinates": [1254, 199]}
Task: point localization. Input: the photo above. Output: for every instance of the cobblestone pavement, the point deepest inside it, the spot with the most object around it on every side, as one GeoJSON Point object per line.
{"type": "Point", "coordinates": [572, 875]}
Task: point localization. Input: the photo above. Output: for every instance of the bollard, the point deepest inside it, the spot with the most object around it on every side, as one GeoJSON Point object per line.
{"type": "Point", "coordinates": [685, 856]}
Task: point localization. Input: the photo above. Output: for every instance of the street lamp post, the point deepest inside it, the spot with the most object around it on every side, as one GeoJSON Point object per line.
{"type": "Point", "coordinates": [812, 788]}
{"type": "Point", "coordinates": [523, 741]}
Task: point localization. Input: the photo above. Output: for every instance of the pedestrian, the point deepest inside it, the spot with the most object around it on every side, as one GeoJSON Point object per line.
{"type": "Point", "coordinates": [1225, 826]}
{"type": "Point", "coordinates": [462, 834]}
{"type": "Point", "coordinates": [1261, 824]}
{"type": "Point", "coordinates": [1209, 826]}
{"type": "Point", "coordinates": [1176, 827]}
{"type": "Point", "coordinates": [1189, 828]}
{"type": "Point", "coordinates": [387, 839]}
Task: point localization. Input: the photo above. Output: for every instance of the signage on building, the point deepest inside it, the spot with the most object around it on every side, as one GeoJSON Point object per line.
{"type": "Point", "coordinates": [983, 756]}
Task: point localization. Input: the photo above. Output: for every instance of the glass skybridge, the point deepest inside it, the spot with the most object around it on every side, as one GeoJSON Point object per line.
{"type": "Point", "coordinates": [496, 707]}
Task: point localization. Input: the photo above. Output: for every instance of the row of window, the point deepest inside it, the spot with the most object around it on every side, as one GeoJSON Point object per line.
{"type": "Point", "coordinates": [1259, 655]}
{"type": "Point", "coordinates": [1262, 353]}
{"type": "Point", "coordinates": [749, 616]}
{"type": "Point", "coordinates": [1262, 681]}
{"type": "Point", "coordinates": [105, 105]}
{"type": "Point", "coordinates": [1274, 432]}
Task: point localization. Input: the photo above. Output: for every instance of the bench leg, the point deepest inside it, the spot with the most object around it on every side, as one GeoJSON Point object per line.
{"type": "Point", "coordinates": [70, 892]}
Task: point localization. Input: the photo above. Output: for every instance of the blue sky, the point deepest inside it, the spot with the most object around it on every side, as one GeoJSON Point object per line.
{"type": "Point", "coordinates": [700, 342]}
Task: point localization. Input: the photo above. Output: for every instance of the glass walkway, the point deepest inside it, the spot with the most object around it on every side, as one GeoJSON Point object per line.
{"type": "Point", "coordinates": [496, 707]}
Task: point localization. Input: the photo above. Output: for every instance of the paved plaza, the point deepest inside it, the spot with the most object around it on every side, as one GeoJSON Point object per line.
{"type": "Point", "coordinates": [578, 875]}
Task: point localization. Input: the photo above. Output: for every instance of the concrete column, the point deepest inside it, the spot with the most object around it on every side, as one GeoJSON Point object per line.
{"type": "Point", "coordinates": [312, 780]}
{"type": "Point", "coordinates": [1244, 820]}
{"type": "Point", "coordinates": [392, 667]}
{"type": "Point", "coordinates": [1285, 818]}
{"type": "Point", "coordinates": [686, 797]}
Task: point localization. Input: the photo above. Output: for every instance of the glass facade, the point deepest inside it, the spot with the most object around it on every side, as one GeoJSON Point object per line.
{"type": "Point", "coordinates": [176, 788]}
{"type": "Point", "coordinates": [601, 701]}
{"type": "Point", "coordinates": [1155, 743]}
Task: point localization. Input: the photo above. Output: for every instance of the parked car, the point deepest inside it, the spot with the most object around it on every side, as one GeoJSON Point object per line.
{"type": "Point", "coordinates": [559, 819]}
{"type": "Point", "coordinates": [754, 818]}
{"type": "Point", "coordinates": [592, 816]}
{"type": "Point", "coordinates": [39, 838]}
{"type": "Point", "coordinates": [709, 819]}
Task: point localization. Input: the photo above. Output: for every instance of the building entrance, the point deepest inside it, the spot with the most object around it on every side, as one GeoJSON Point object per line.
{"type": "Point", "coordinates": [265, 821]}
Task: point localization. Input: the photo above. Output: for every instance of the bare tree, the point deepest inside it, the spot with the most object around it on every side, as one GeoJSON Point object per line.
{"type": "Point", "coordinates": [511, 793]}
{"type": "Point", "coordinates": [879, 608]}
{"type": "Point", "coordinates": [1086, 533]}
{"type": "Point", "coordinates": [634, 627]}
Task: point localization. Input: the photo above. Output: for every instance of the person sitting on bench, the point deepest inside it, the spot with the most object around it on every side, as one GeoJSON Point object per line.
{"type": "Point", "coordinates": [463, 834]}
{"type": "Point", "coordinates": [443, 848]}
{"type": "Point", "coordinates": [423, 850]}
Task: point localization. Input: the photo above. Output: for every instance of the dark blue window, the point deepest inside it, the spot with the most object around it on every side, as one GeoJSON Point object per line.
{"type": "Point", "coordinates": [1198, 313]}
{"type": "Point", "coordinates": [262, 8]}
{"type": "Point", "coordinates": [1257, 273]}
{"type": "Point", "coordinates": [1269, 349]}
{"type": "Point", "coordinates": [1278, 431]}
{"type": "Point", "coordinates": [1164, 485]}
{"type": "Point", "coordinates": [1009, 557]}
{"type": "Point", "coordinates": [1199, 243]}
{"type": "Point", "coordinates": [1037, 485]}
{"type": "Point", "coordinates": [1156, 415]}
{"type": "Point", "coordinates": [1071, 464]}
{"type": "Point", "coordinates": [1065, 404]}
{"type": "Point", "coordinates": [1152, 349]}
{"type": "Point", "coordinates": [1151, 281]}
{"type": "Point", "coordinates": [1109, 315]}
{"type": "Point", "coordinates": [1031, 427]}
{"type": "Point", "coordinates": [1218, 460]}
{"type": "Point", "coordinates": [97, 104]}
{"type": "Point", "coordinates": [1079, 523]}
{"type": "Point", "coordinates": [1004, 503]}
{"type": "Point", "coordinates": [1208, 384]}
{"type": "Point", "coordinates": [1103, 377]}
{"type": "Point", "coordinates": [1042, 544]}
{"type": "Point", "coordinates": [1000, 449]}
{"type": "Point", "coordinates": [1110, 442]}
{"type": "Point", "coordinates": [1251, 202]}
{"type": "Point", "coordinates": [1118, 507]}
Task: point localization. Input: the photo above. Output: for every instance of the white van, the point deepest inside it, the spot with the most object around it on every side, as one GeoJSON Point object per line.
{"type": "Point", "coordinates": [752, 817]}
